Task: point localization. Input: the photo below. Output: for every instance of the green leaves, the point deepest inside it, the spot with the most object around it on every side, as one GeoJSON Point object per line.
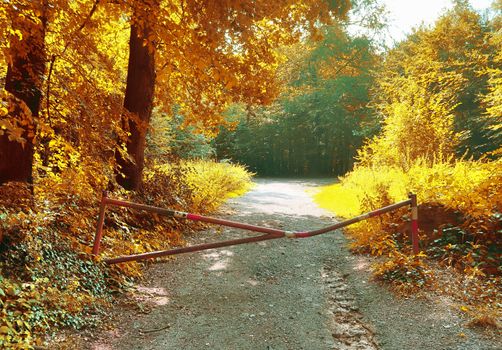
{"type": "Point", "coordinates": [320, 119]}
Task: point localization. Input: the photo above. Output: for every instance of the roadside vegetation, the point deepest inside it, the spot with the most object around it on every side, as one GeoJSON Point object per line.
{"type": "Point", "coordinates": [423, 117]}
{"type": "Point", "coordinates": [438, 98]}
{"type": "Point", "coordinates": [161, 109]}
{"type": "Point", "coordinates": [459, 223]}
{"type": "Point", "coordinates": [48, 277]}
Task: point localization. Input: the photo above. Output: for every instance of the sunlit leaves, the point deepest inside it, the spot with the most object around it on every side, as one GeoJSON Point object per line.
{"type": "Point", "coordinates": [15, 118]}
{"type": "Point", "coordinates": [226, 53]}
{"type": "Point", "coordinates": [429, 93]}
{"type": "Point", "coordinates": [493, 98]}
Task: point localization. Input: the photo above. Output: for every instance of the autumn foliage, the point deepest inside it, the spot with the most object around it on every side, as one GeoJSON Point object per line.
{"type": "Point", "coordinates": [439, 138]}
{"type": "Point", "coordinates": [98, 94]}
{"type": "Point", "coordinates": [81, 82]}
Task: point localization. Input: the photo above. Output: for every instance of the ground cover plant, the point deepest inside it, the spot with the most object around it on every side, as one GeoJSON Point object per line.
{"type": "Point", "coordinates": [49, 278]}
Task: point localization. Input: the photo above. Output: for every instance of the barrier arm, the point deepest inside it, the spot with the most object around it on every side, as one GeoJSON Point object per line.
{"type": "Point", "coordinates": [270, 233]}
{"type": "Point", "coordinates": [353, 220]}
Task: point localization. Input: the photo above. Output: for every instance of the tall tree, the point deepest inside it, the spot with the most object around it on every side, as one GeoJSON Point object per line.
{"type": "Point", "coordinates": [493, 99]}
{"type": "Point", "coordinates": [139, 95]}
{"type": "Point", "coordinates": [321, 117]}
{"type": "Point", "coordinates": [458, 41]}
{"type": "Point", "coordinates": [26, 66]}
{"type": "Point", "coordinates": [429, 93]}
{"type": "Point", "coordinates": [213, 53]}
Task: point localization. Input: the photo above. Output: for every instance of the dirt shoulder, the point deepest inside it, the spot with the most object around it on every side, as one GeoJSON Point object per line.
{"type": "Point", "coordinates": [281, 294]}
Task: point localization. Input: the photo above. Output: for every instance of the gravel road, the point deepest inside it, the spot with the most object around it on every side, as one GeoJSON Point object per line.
{"type": "Point", "coordinates": [279, 294]}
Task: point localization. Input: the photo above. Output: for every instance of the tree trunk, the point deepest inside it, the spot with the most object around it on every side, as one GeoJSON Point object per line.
{"type": "Point", "coordinates": [138, 101]}
{"type": "Point", "coordinates": [24, 81]}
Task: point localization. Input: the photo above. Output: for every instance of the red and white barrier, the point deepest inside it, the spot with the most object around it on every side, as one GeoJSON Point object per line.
{"type": "Point", "coordinates": [269, 233]}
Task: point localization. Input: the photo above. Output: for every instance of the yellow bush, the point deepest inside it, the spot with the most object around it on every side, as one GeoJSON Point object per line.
{"type": "Point", "coordinates": [348, 197]}
{"type": "Point", "coordinates": [469, 191]}
{"type": "Point", "coordinates": [212, 183]}
{"type": "Point", "coordinates": [50, 248]}
{"type": "Point", "coordinates": [471, 187]}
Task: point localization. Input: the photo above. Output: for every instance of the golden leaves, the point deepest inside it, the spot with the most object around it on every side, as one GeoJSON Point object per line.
{"type": "Point", "coordinates": [15, 118]}
{"type": "Point", "coordinates": [225, 53]}
{"type": "Point", "coordinates": [16, 32]}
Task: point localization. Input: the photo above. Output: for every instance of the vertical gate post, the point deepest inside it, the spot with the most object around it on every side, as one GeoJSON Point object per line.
{"type": "Point", "coordinates": [414, 223]}
{"type": "Point", "coordinates": [99, 228]}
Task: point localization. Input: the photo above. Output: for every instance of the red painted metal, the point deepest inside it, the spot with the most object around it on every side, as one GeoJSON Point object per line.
{"type": "Point", "coordinates": [195, 248]}
{"type": "Point", "coordinates": [270, 233]}
{"type": "Point", "coordinates": [353, 220]}
{"type": "Point", "coordinates": [229, 223]}
{"type": "Point", "coordinates": [414, 223]}
{"type": "Point", "coordinates": [101, 220]}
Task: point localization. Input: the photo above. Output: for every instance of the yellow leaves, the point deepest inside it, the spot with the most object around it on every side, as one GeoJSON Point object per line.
{"type": "Point", "coordinates": [216, 74]}
{"type": "Point", "coordinates": [421, 254]}
{"type": "Point", "coordinates": [16, 32]}
{"type": "Point", "coordinates": [15, 118]}
{"type": "Point", "coordinates": [207, 53]}
{"type": "Point", "coordinates": [468, 186]}
{"type": "Point", "coordinates": [214, 182]}
{"type": "Point", "coordinates": [231, 82]}
{"type": "Point", "coordinates": [406, 272]}
{"type": "Point", "coordinates": [473, 272]}
{"type": "Point", "coordinates": [53, 143]}
{"type": "Point", "coordinates": [419, 90]}
{"type": "Point", "coordinates": [471, 189]}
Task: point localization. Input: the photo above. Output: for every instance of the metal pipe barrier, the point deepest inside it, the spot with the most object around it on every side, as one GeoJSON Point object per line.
{"type": "Point", "coordinates": [269, 233]}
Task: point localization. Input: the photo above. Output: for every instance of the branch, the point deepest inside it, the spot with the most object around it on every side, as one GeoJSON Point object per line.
{"type": "Point", "coordinates": [48, 93]}
{"type": "Point", "coordinates": [82, 26]}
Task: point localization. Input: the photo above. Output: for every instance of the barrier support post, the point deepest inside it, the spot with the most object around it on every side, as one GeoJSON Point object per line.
{"type": "Point", "coordinates": [99, 228]}
{"type": "Point", "coordinates": [414, 223]}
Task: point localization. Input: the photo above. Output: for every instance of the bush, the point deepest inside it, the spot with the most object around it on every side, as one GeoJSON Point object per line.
{"type": "Point", "coordinates": [460, 205]}
{"type": "Point", "coordinates": [211, 183]}
{"type": "Point", "coordinates": [49, 279]}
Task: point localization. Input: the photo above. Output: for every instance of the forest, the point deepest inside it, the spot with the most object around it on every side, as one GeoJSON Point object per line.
{"type": "Point", "coordinates": [179, 104]}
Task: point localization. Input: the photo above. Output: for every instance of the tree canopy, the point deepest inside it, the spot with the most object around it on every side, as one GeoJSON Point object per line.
{"type": "Point", "coordinates": [321, 117]}
{"type": "Point", "coordinates": [203, 56]}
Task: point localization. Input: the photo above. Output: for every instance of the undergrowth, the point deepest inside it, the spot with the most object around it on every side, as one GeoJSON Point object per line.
{"type": "Point", "coordinates": [211, 183]}
{"type": "Point", "coordinates": [460, 220]}
{"type": "Point", "coordinates": [48, 277]}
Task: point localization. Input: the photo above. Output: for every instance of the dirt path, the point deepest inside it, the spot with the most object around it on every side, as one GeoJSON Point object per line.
{"type": "Point", "coordinates": [281, 294]}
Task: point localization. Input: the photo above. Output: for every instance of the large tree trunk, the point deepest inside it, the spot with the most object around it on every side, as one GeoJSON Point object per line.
{"type": "Point", "coordinates": [138, 99]}
{"type": "Point", "coordinates": [24, 80]}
